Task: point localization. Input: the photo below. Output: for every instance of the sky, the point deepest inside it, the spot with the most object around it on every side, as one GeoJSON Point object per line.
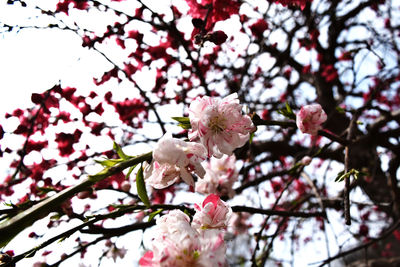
{"type": "Point", "coordinates": [32, 61]}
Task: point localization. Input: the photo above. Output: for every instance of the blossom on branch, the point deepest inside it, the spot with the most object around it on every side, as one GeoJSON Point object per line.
{"type": "Point", "coordinates": [217, 10]}
{"type": "Point", "coordinates": [220, 176]}
{"type": "Point", "coordinates": [177, 243]}
{"type": "Point", "coordinates": [213, 213]}
{"type": "Point", "coordinates": [310, 118]}
{"type": "Point", "coordinates": [174, 159]}
{"type": "Point", "coordinates": [219, 124]}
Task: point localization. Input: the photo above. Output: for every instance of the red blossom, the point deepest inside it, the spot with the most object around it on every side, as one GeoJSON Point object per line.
{"type": "Point", "coordinates": [35, 146]}
{"type": "Point", "coordinates": [396, 234]}
{"type": "Point", "coordinates": [1, 132]}
{"type": "Point", "coordinates": [306, 69]}
{"type": "Point", "coordinates": [10, 253]}
{"type": "Point", "coordinates": [81, 4]}
{"type": "Point", "coordinates": [329, 73]}
{"type": "Point", "coordinates": [64, 116]}
{"type": "Point", "coordinates": [266, 115]}
{"type": "Point", "coordinates": [87, 41]}
{"type": "Point", "coordinates": [113, 73]}
{"type": "Point", "coordinates": [300, 3]}
{"type": "Point", "coordinates": [99, 109]}
{"type": "Point", "coordinates": [63, 6]}
{"type": "Point", "coordinates": [136, 35]}
{"type": "Point", "coordinates": [114, 181]}
{"type": "Point", "coordinates": [92, 94]}
{"type": "Point", "coordinates": [129, 109]}
{"type": "Point", "coordinates": [258, 28]}
{"type": "Point", "coordinates": [66, 141]}
{"type": "Point", "coordinates": [46, 252]}
{"type": "Point", "coordinates": [344, 56]}
{"type": "Point", "coordinates": [218, 37]}
{"type": "Point", "coordinates": [120, 42]}
{"type": "Point", "coordinates": [130, 69]}
{"type": "Point", "coordinates": [67, 93]}
{"type": "Point", "coordinates": [218, 10]}
{"type": "Point", "coordinates": [96, 128]}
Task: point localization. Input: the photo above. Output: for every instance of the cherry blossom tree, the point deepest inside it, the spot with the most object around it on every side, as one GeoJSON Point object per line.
{"type": "Point", "coordinates": [248, 133]}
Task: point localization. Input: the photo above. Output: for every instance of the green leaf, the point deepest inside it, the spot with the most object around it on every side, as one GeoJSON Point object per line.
{"type": "Point", "coordinates": [251, 137]}
{"type": "Point", "coordinates": [56, 216]}
{"type": "Point", "coordinates": [99, 176]}
{"type": "Point", "coordinates": [109, 162]}
{"type": "Point", "coordinates": [340, 110]}
{"type": "Point", "coordinates": [141, 187]}
{"type": "Point", "coordinates": [44, 190]}
{"type": "Point", "coordinates": [294, 168]}
{"type": "Point", "coordinates": [9, 204]}
{"type": "Point", "coordinates": [342, 175]}
{"type": "Point", "coordinates": [184, 122]}
{"type": "Point", "coordinates": [287, 112]}
{"type": "Point", "coordinates": [187, 213]}
{"type": "Point", "coordinates": [153, 214]}
{"type": "Point", "coordinates": [119, 151]}
{"type": "Point", "coordinates": [339, 176]}
{"type": "Point", "coordinates": [130, 171]}
{"type": "Point", "coordinates": [288, 108]}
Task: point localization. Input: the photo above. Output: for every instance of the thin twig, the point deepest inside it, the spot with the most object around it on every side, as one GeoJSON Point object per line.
{"type": "Point", "coordinates": [363, 246]}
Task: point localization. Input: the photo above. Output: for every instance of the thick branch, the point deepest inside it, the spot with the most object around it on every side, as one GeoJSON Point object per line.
{"type": "Point", "coordinates": [11, 228]}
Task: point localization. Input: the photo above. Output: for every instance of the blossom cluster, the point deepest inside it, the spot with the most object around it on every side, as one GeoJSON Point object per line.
{"type": "Point", "coordinates": [218, 127]}
{"type": "Point", "coordinates": [199, 244]}
{"type": "Point", "coordinates": [220, 176]}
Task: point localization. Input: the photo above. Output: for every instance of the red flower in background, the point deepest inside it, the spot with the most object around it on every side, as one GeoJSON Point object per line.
{"type": "Point", "coordinates": [66, 141]}
{"type": "Point", "coordinates": [218, 10]}
{"type": "Point", "coordinates": [300, 3]}
{"type": "Point", "coordinates": [258, 28]}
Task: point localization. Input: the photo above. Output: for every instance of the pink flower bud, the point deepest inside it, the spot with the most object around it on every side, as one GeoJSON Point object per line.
{"type": "Point", "coordinates": [306, 160]}
{"type": "Point", "coordinates": [310, 118]}
{"type": "Point", "coordinates": [125, 186]}
{"type": "Point", "coordinates": [220, 176]}
{"type": "Point", "coordinates": [213, 213]}
{"type": "Point", "coordinates": [83, 194]}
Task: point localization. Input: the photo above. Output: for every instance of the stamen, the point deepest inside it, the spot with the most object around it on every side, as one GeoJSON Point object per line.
{"type": "Point", "coordinates": [217, 124]}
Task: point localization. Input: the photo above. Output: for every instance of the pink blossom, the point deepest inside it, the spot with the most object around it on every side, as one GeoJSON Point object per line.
{"type": "Point", "coordinates": [306, 160]}
{"type": "Point", "coordinates": [213, 249]}
{"type": "Point", "coordinates": [125, 186]}
{"type": "Point", "coordinates": [220, 176]}
{"type": "Point", "coordinates": [238, 222]}
{"type": "Point", "coordinates": [177, 243]}
{"type": "Point", "coordinates": [219, 124]}
{"type": "Point", "coordinates": [310, 118]}
{"type": "Point", "coordinates": [174, 158]}
{"type": "Point", "coordinates": [212, 214]}
{"type": "Point", "coordinates": [174, 221]}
